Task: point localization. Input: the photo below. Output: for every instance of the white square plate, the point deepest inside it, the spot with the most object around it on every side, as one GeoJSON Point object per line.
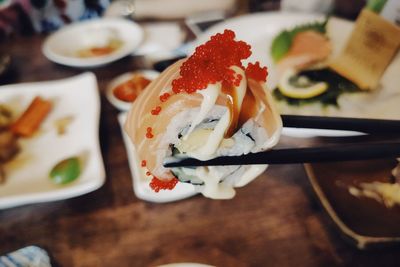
{"type": "Point", "coordinates": [28, 174]}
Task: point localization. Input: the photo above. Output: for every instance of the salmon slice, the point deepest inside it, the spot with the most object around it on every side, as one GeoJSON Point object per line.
{"type": "Point", "coordinates": [308, 48]}
{"type": "Point", "coordinates": [270, 118]}
{"type": "Point", "coordinates": [140, 118]}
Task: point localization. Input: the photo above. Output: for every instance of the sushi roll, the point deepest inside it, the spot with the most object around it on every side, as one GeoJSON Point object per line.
{"type": "Point", "coordinates": [204, 106]}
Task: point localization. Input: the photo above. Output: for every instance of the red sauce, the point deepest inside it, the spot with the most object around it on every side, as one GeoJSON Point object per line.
{"type": "Point", "coordinates": [211, 63]}
{"type": "Point", "coordinates": [255, 72]}
{"type": "Point", "coordinates": [143, 164]}
{"type": "Point", "coordinates": [158, 184]}
{"type": "Point", "coordinates": [156, 110]}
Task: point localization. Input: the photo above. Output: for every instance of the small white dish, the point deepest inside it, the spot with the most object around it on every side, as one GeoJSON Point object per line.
{"type": "Point", "coordinates": [120, 104]}
{"type": "Point", "coordinates": [64, 45]}
{"type": "Point", "coordinates": [141, 182]}
{"type": "Point", "coordinates": [27, 178]}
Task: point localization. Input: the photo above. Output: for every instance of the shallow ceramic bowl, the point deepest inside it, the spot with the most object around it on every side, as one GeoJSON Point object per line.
{"type": "Point", "coordinates": [63, 46]}
{"type": "Point", "coordinates": [123, 105]}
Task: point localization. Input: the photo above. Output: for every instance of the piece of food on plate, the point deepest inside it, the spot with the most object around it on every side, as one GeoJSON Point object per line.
{"type": "Point", "coordinates": [100, 42]}
{"type": "Point", "coordinates": [62, 124]}
{"type": "Point", "coordinates": [301, 47]}
{"type": "Point", "coordinates": [27, 124]}
{"type": "Point", "coordinates": [386, 193]}
{"type": "Point", "coordinates": [301, 56]}
{"type": "Point", "coordinates": [66, 171]}
{"type": "Point", "coordinates": [8, 146]}
{"type": "Point", "coordinates": [101, 50]}
{"type": "Point", "coordinates": [129, 90]}
{"type": "Point", "coordinates": [8, 142]}
{"type": "Point", "coordinates": [5, 117]}
{"type": "Point", "coordinates": [322, 86]}
{"type": "Point", "coordinates": [205, 106]}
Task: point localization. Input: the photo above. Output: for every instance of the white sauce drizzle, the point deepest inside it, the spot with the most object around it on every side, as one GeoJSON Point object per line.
{"type": "Point", "coordinates": [210, 95]}
{"type": "Point", "coordinates": [212, 187]}
{"type": "Point", "coordinates": [208, 150]}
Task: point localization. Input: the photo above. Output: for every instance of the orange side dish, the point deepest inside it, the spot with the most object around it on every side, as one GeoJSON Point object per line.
{"type": "Point", "coordinates": [129, 90]}
{"type": "Point", "coordinates": [98, 51]}
{"type": "Point", "coordinates": [101, 51]}
{"type": "Point", "coordinates": [30, 120]}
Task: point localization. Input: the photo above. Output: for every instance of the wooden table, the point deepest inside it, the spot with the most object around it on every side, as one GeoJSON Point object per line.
{"type": "Point", "coordinates": [274, 221]}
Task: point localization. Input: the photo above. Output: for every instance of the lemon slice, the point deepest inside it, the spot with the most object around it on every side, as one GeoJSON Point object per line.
{"type": "Point", "coordinates": [300, 87]}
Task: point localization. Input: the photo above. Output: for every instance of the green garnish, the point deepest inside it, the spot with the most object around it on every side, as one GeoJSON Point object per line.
{"type": "Point", "coordinates": [337, 85]}
{"type": "Point", "coordinates": [283, 41]}
{"type": "Point", "coordinates": [376, 5]}
{"type": "Point", "coordinates": [66, 171]}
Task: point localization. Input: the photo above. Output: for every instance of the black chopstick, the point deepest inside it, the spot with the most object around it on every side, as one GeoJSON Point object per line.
{"type": "Point", "coordinates": [372, 126]}
{"type": "Point", "coordinates": [163, 64]}
{"type": "Point", "coordinates": [345, 152]}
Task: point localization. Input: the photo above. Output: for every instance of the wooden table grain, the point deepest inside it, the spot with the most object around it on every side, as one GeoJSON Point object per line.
{"type": "Point", "coordinates": [274, 221]}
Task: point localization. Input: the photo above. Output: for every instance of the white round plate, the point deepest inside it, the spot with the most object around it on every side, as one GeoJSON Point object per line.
{"type": "Point", "coordinates": [259, 30]}
{"type": "Point", "coordinates": [62, 46]}
{"type": "Point", "coordinates": [123, 105]}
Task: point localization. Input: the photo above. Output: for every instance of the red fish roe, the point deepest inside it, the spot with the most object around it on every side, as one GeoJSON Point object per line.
{"type": "Point", "coordinates": [156, 110]}
{"type": "Point", "coordinates": [164, 97]}
{"type": "Point", "coordinates": [255, 72]}
{"type": "Point", "coordinates": [148, 173]}
{"type": "Point", "coordinates": [211, 63]}
{"type": "Point", "coordinates": [157, 184]}
{"type": "Point", "coordinates": [149, 133]}
{"type": "Point", "coordinates": [143, 163]}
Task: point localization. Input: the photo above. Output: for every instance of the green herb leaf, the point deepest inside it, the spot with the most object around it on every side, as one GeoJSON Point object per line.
{"type": "Point", "coordinates": [376, 5]}
{"type": "Point", "coordinates": [280, 45]}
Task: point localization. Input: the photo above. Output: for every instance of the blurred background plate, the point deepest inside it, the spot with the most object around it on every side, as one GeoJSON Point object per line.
{"type": "Point", "coordinates": [68, 45]}
{"type": "Point", "coordinates": [28, 174]}
{"type": "Point", "coordinates": [259, 30]}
